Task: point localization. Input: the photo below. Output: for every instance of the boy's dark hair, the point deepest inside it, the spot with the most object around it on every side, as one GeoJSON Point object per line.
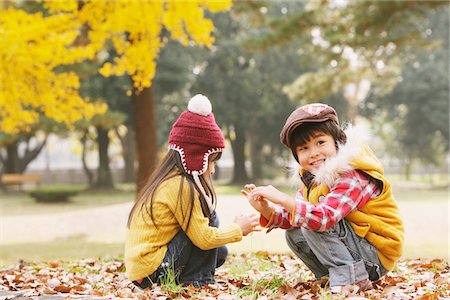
{"type": "Point", "coordinates": [304, 132]}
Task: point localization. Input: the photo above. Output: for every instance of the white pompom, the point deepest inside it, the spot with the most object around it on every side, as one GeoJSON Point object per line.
{"type": "Point", "coordinates": [200, 105]}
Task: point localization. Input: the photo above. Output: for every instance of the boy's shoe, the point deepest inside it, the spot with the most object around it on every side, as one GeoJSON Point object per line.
{"type": "Point", "coordinates": [352, 289]}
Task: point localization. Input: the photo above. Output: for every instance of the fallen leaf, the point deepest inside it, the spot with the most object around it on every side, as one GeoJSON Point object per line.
{"type": "Point", "coordinates": [62, 289]}
{"type": "Point", "coordinates": [50, 291]}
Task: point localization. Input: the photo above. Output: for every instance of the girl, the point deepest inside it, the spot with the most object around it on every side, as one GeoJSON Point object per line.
{"type": "Point", "coordinates": [344, 223]}
{"type": "Point", "coordinates": [173, 227]}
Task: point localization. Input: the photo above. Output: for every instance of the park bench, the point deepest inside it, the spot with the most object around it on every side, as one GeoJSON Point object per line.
{"type": "Point", "coordinates": [19, 180]}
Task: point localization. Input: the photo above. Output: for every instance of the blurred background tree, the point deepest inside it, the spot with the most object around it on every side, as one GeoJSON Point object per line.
{"type": "Point", "coordinates": [37, 96]}
{"type": "Point", "coordinates": [31, 84]}
{"type": "Point", "coordinates": [414, 118]}
{"type": "Point", "coordinates": [133, 29]}
{"type": "Point", "coordinates": [356, 45]}
{"type": "Point", "coordinates": [124, 71]}
{"type": "Point", "coordinates": [245, 89]}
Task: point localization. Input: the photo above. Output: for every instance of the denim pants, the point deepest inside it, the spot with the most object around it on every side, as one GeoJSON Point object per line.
{"type": "Point", "coordinates": [337, 252]}
{"type": "Point", "coordinates": [187, 262]}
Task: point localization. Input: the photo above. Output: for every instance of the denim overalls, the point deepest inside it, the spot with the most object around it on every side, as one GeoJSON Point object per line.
{"type": "Point", "coordinates": [190, 264]}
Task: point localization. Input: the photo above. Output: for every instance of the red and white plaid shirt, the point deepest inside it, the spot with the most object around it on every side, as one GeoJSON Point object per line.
{"type": "Point", "coordinates": [352, 191]}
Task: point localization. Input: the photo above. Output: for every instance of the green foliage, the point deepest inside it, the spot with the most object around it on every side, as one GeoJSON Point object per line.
{"type": "Point", "coordinates": [53, 195]}
{"type": "Point", "coordinates": [174, 74]}
{"type": "Point", "coordinates": [415, 115]}
{"type": "Point", "coordinates": [347, 42]}
{"type": "Point", "coordinates": [112, 90]}
{"type": "Point", "coordinates": [245, 89]}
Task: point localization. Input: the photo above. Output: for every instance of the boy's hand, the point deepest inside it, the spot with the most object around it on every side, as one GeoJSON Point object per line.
{"type": "Point", "coordinates": [258, 203]}
{"type": "Point", "coordinates": [248, 223]}
{"type": "Point", "coordinates": [269, 193]}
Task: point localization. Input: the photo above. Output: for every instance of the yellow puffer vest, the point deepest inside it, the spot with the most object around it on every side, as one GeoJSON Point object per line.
{"type": "Point", "coordinates": [379, 220]}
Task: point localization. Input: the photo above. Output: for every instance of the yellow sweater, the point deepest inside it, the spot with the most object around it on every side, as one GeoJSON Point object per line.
{"type": "Point", "coordinates": [146, 245]}
{"type": "Point", "coordinates": [378, 221]}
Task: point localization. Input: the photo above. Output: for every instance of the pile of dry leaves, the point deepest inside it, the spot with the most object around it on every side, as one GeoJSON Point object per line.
{"type": "Point", "coordinates": [247, 276]}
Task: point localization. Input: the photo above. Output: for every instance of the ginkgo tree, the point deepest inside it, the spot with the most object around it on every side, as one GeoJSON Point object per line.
{"type": "Point", "coordinates": [135, 31]}
{"type": "Point", "coordinates": [35, 90]}
{"type": "Point", "coordinates": [35, 45]}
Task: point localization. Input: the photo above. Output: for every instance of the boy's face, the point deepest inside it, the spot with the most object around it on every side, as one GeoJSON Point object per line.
{"type": "Point", "coordinates": [316, 151]}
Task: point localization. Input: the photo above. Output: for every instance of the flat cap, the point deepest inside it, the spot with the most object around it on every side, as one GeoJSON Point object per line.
{"type": "Point", "coordinates": [310, 113]}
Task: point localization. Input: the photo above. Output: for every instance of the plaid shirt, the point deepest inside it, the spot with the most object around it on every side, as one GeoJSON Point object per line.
{"type": "Point", "coordinates": [352, 191]}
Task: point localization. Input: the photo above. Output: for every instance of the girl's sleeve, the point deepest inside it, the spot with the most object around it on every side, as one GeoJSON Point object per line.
{"type": "Point", "coordinates": [199, 232]}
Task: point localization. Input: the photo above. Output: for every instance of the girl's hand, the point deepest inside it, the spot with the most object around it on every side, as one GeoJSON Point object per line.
{"type": "Point", "coordinates": [248, 223]}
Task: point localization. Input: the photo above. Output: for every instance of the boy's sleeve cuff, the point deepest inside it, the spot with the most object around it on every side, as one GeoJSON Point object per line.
{"type": "Point", "coordinates": [292, 216]}
{"type": "Point", "coordinates": [264, 222]}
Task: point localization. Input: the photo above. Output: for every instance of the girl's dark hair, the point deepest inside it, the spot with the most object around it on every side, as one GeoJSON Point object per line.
{"type": "Point", "coordinates": [303, 133]}
{"type": "Point", "coordinates": [163, 172]}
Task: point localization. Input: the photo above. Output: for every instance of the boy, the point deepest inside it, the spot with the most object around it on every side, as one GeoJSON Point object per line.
{"type": "Point", "coordinates": [344, 222]}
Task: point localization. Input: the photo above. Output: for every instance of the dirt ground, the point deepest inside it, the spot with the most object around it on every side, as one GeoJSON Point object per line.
{"type": "Point", "coordinates": [426, 227]}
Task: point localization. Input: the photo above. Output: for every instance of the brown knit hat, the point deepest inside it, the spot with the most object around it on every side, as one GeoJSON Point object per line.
{"type": "Point", "coordinates": [310, 113]}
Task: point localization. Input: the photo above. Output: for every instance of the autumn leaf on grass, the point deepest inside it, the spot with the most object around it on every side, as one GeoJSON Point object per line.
{"type": "Point", "coordinates": [261, 276]}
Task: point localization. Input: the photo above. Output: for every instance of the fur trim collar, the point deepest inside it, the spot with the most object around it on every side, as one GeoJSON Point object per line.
{"type": "Point", "coordinates": [330, 171]}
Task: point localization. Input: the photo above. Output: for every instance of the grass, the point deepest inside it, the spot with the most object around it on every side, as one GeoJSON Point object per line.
{"type": "Point", "coordinates": [20, 203]}
{"type": "Point", "coordinates": [258, 286]}
{"type": "Point", "coordinates": [415, 249]}
{"type": "Point", "coordinates": [413, 194]}
{"type": "Point", "coordinates": [169, 282]}
{"type": "Point", "coordinates": [75, 247]}
{"type": "Point", "coordinates": [425, 179]}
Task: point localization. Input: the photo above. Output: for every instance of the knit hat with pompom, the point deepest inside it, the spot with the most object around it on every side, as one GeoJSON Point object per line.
{"type": "Point", "coordinates": [195, 135]}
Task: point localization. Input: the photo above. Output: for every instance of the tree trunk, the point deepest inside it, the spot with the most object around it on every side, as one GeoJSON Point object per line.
{"type": "Point", "coordinates": [352, 112]}
{"type": "Point", "coordinates": [128, 142]}
{"type": "Point", "coordinates": [12, 164]}
{"type": "Point", "coordinates": [238, 145]}
{"type": "Point", "coordinates": [146, 135]}
{"type": "Point", "coordinates": [30, 154]}
{"type": "Point", "coordinates": [86, 170]}
{"type": "Point", "coordinates": [104, 178]}
{"type": "Point", "coordinates": [256, 159]}
{"type": "Point", "coordinates": [407, 169]}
